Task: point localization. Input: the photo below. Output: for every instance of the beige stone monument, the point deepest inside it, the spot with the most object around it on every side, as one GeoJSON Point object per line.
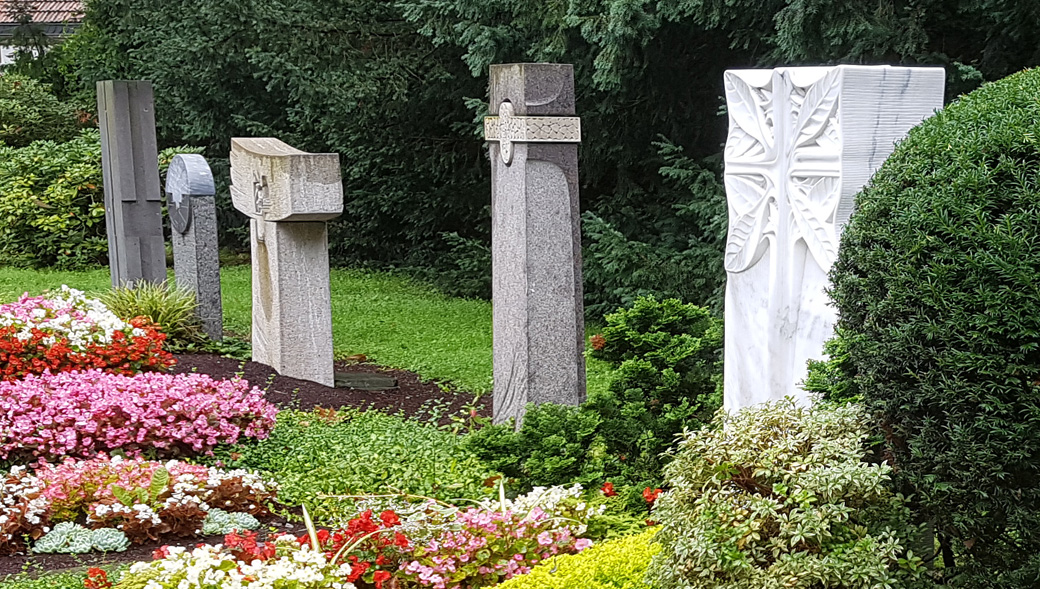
{"type": "Point", "coordinates": [289, 195]}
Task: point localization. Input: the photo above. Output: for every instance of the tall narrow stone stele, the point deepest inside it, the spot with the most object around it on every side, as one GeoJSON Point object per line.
{"type": "Point", "coordinates": [130, 169]}
{"type": "Point", "coordinates": [289, 195]}
{"type": "Point", "coordinates": [192, 206]}
{"type": "Point", "coordinates": [538, 314]}
{"type": "Point", "coordinates": [802, 142]}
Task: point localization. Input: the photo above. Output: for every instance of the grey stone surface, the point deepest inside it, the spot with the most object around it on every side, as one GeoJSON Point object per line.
{"type": "Point", "coordinates": [538, 311]}
{"type": "Point", "coordinates": [130, 167]}
{"type": "Point", "coordinates": [288, 195]}
{"type": "Point", "coordinates": [191, 202]}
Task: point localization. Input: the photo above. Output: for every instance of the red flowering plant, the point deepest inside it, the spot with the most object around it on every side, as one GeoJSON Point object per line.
{"type": "Point", "coordinates": [67, 331]}
{"type": "Point", "coordinates": [373, 547]}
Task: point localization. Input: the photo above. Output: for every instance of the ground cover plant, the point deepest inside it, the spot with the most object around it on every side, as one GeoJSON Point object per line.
{"type": "Point", "coordinates": [779, 496]}
{"type": "Point", "coordinates": [66, 331]}
{"type": "Point", "coordinates": [84, 413]}
{"type": "Point", "coordinates": [939, 317]}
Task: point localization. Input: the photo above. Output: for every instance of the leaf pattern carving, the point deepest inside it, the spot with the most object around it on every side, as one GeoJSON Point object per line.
{"type": "Point", "coordinates": [746, 112]}
{"type": "Point", "coordinates": [819, 105]}
{"type": "Point", "coordinates": [747, 229]}
{"type": "Point", "coordinates": [811, 217]}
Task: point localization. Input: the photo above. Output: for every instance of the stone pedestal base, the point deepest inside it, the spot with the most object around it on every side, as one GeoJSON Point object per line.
{"type": "Point", "coordinates": [292, 312]}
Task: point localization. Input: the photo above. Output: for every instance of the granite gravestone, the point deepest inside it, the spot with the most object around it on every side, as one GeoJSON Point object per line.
{"type": "Point", "coordinates": [289, 195]}
{"type": "Point", "coordinates": [802, 142]}
{"type": "Point", "coordinates": [191, 203]}
{"type": "Point", "coordinates": [130, 169]}
{"type": "Point", "coordinates": [538, 314]}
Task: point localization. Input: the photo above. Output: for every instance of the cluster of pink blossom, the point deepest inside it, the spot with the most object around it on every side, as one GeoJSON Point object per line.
{"type": "Point", "coordinates": [487, 547]}
{"type": "Point", "coordinates": [146, 500]}
{"type": "Point", "coordinates": [81, 414]}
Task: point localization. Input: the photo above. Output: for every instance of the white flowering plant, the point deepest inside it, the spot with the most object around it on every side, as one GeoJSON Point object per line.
{"type": "Point", "coordinates": [241, 563]}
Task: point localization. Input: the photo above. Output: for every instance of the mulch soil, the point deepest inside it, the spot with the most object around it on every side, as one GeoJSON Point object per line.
{"type": "Point", "coordinates": [411, 396]}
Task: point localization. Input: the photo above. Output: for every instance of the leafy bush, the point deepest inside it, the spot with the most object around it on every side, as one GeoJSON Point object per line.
{"type": "Point", "coordinates": [52, 204]}
{"type": "Point", "coordinates": [667, 363]}
{"type": "Point", "coordinates": [84, 413]}
{"type": "Point", "coordinates": [30, 112]}
{"type": "Point", "coordinates": [354, 452]}
{"type": "Point", "coordinates": [940, 317]}
{"type": "Point", "coordinates": [67, 331]}
{"type": "Point", "coordinates": [172, 309]}
{"type": "Point", "coordinates": [617, 564]}
{"type": "Point", "coordinates": [778, 496]}
{"type": "Point", "coordinates": [830, 378]}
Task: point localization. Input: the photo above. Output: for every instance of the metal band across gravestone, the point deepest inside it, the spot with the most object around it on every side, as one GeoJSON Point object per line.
{"type": "Point", "coordinates": [538, 313]}
{"type": "Point", "coordinates": [802, 142]}
{"type": "Point", "coordinates": [288, 195]}
{"type": "Point", "coordinates": [191, 203]}
{"type": "Point", "coordinates": [130, 168]}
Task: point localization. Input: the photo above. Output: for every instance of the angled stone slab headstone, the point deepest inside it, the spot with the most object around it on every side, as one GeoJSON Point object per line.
{"type": "Point", "coordinates": [130, 168]}
{"type": "Point", "coordinates": [192, 206]}
{"type": "Point", "coordinates": [802, 142]}
{"type": "Point", "coordinates": [538, 313]}
{"type": "Point", "coordinates": [289, 195]}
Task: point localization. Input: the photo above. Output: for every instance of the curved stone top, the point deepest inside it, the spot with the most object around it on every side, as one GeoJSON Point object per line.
{"type": "Point", "coordinates": [189, 175]}
{"type": "Point", "coordinates": [273, 181]}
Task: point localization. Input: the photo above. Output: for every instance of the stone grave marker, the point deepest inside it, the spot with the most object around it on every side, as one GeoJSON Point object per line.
{"type": "Point", "coordinates": [289, 195]}
{"type": "Point", "coordinates": [130, 169]}
{"type": "Point", "coordinates": [192, 206]}
{"type": "Point", "coordinates": [538, 313]}
{"type": "Point", "coordinates": [802, 142]}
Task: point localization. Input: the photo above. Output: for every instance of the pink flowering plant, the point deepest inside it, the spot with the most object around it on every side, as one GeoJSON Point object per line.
{"type": "Point", "coordinates": [82, 414]}
{"type": "Point", "coordinates": [146, 500]}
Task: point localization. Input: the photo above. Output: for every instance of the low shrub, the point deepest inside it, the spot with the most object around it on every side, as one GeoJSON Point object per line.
{"type": "Point", "coordinates": [778, 496]}
{"type": "Point", "coordinates": [72, 538]}
{"type": "Point", "coordinates": [66, 331]}
{"type": "Point", "coordinates": [667, 360]}
{"type": "Point", "coordinates": [172, 309]}
{"type": "Point", "coordinates": [315, 455]}
{"type": "Point", "coordinates": [84, 413]}
{"type": "Point", "coordinates": [617, 564]}
{"type": "Point", "coordinates": [30, 112]}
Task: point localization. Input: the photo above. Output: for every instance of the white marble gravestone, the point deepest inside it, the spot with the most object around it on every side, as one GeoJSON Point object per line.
{"type": "Point", "coordinates": [802, 142]}
{"type": "Point", "coordinates": [289, 195]}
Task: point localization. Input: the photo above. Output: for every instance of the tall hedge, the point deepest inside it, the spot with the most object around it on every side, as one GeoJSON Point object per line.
{"type": "Point", "coordinates": [937, 284]}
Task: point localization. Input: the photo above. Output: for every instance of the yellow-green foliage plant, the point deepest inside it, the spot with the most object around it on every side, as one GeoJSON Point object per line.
{"type": "Point", "coordinates": [615, 564]}
{"type": "Point", "coordinates": [778, 496]}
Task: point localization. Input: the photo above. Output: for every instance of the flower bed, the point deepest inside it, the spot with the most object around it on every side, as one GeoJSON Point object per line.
{"type": "Point", "coordinates": [145, 500]}
{"type": "Point", "coordinates": [67, 331]}
{"type": "Point", "coordinates": [81, 414]}
{"type": "Point", "coordinates": [420, 544]}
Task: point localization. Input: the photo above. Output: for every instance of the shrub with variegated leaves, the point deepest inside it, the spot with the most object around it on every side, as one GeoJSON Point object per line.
{"type": "Point", "coordinates": [778, 496]}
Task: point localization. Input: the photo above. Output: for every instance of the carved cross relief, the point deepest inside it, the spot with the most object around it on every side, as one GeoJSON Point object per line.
{"type": "Point", "coordinates": [783, 166]}
{"type": "Point", "coordinates": [508, 128]}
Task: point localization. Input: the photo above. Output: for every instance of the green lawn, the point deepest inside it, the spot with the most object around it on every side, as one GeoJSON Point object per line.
{"type": "Point", "coordinates": [392, 320]}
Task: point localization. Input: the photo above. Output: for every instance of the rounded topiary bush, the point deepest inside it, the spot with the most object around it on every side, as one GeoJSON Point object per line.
{"type": "Point", "coordinates": [937, 285]}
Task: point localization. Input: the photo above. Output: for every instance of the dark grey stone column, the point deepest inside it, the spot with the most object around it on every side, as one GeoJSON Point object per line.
{"type": "Point", "coordinates": [191, 203]}
{"type": "Point", "coordinates": [536, 238]}
{"type": "Point", "coordinates": [130, 167]}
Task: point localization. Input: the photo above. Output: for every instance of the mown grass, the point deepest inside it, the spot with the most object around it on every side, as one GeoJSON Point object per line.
{"type": "Point", "coordinates": [392, 320]}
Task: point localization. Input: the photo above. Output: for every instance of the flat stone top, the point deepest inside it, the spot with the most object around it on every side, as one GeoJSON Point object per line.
{"type": "Point", "coordinates": [808, 74]}
{"type": "Point", "coordinates": [273, 181]}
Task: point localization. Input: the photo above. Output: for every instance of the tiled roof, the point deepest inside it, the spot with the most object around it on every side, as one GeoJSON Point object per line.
{"type": "Point", "coordinates": [48, 12]}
